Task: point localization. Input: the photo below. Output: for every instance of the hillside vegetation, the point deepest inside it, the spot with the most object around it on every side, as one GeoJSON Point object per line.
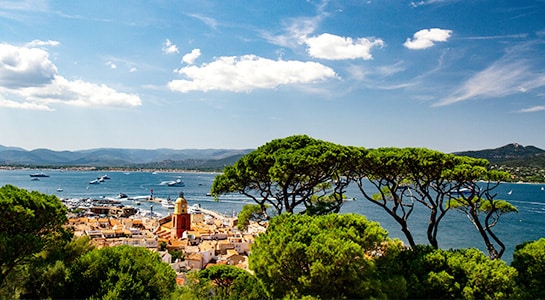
{"type": "Point", "coordinates": [525, 163]}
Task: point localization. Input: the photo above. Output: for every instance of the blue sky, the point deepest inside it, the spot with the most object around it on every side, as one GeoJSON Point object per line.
{"type": "Point", "coordinates": [449, 75]}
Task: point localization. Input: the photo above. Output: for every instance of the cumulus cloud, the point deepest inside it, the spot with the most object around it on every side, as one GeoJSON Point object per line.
{"type": "Point", "coordinates": [425, 38]}
{"type": "Point", "coordinates": [23, 105]}
{"type": "Point", "coordinates": [22, 66]}
{"type": "Point", "coordinates": [169, 47]}
{"type": "Point", "coordinates": [509, 75]}
{"type": "Point", "coordinates": [190, 58]}
{"type": "Point", "coordinates": [333, 47]}
{"type": "Point", "coordinates": [29, 80]}
{"type": "Point", "coordinates": [80, 93]}
{"type": "Point", "coordinates": [248, 72]}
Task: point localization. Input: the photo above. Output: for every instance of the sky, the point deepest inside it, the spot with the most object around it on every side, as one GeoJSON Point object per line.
{"type": "Point", "coordinates": [448, 75]}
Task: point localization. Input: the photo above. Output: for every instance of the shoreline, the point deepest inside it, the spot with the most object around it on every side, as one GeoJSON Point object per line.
{"type": "Point", "coordinates": [112, 169]}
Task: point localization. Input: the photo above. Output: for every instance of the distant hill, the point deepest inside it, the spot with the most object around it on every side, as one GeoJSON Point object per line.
{"type": "Point", "coordinates": [514, 155]}
{"type": "Point", "coordinates": [526, 164]}
{"type": "Point", "coordinates": [194, 159]}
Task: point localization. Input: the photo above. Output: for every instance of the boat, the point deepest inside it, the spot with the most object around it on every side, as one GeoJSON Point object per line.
{"type": "Point", "coordinates": [35, 179]}
{"type": "Point", "coordinates": [167, 204]}
{"type": "Point", "coordinates": [461, 191]}
{"type": "Point", "coordinates": [40, 174]}
{"type": "Point", "coordinates": [510, 192]}
{"type": "Point", "coordinates": [177, 182]}
{"type": "Point", "coordinates": [122, 196]}
{"type": "Point", "coordinates": [59, 189]}
{"type": "Point", "coordinates": [194, 209]}
{"type": "Point", "coordinates": [94, 181]}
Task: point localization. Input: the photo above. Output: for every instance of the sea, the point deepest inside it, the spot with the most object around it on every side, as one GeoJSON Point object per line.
{"type": "Point", "coordinates": [455, 230]}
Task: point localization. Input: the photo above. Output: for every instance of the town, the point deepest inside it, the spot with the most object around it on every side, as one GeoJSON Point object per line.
{"type": "Point", "coordinates": [197, 237]}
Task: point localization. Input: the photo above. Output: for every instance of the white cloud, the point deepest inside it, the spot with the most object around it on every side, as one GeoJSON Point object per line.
{"type": "Point", "coordinates": [533, 109]}
{"type": "Point", "coordinates": [206, 20]}
{"type": "Point", "coordinates": [111, 65]}
{"type": "Point", "coordinates": [428, 2]}
{"type": "Point", "coordinates": [22, 66]}
{"type": "Point", "coordinates": [333, 47]}
{"type": "Point", "coordinates": [424, 38]}
{"type": "Point", "coordinates": [512, 74]}
{"type": "Point", "coordinates": [248, 72]}
{"type": "Point", "coordinates": [190, 58]}
{"type": "Point", "coordinates": [132, 70]}
{"type": "Point", "coordinates": [295, 33]}
{"type": "Point", "coordinates": [169, 48]}
{"type": "Point", "coordinates": [38, 43]}
{"type": "Point", "coordinates": [80, 93]}
{"type": "Point", "coordinates": [296, 30]}
{"type": "Point", "coordinates": [31, 81]}
{"type": "Point", "coordinates": [23, 105]}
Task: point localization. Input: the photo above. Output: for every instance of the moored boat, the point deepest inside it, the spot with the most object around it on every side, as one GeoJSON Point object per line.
{"type": "Point", "coordinates": [177, 182]}
{"type": "Point", "coordinates": [40, 174]}
{"type": "Point", "coordinates": [167, 204]}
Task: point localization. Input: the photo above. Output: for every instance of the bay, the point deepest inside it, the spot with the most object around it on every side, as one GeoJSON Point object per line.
{"type": "Point", "coordinates": [455, 230]}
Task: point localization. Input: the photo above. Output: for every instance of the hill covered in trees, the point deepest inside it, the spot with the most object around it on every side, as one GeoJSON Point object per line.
{"type": "Point", "coordinates": [525, 163]}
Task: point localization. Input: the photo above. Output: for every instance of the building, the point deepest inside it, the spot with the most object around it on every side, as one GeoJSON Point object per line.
{"type": "Point", "coordinates": [181, 219]}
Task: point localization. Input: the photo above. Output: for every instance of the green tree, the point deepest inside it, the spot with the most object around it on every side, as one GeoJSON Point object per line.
{"type": "Point", "coordinates": [529, 260]}
{"type": "Point", "coordinates": [328, 256]}
{"type": "Point", "coordinates": [29, 222]}
{"type": "Point", "coordinates": [297, 173]}
{"type": "Point", "coordinates": [225, 282]}
{"type": "Point", "coordinates": [45, 276]}
{"type": "Point", "coordinates": [454, 274]}
{"type": "Point", "coordinates": [251, 212]}
{"type": "Point", "coordinates": [473, 195]}
{"type": "Point", "coordinates": [402, 177]}
{"type": "Point", "coordinates": [121, 272]}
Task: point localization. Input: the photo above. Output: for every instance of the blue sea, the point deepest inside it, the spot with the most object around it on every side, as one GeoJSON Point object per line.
{"type": "Point", "coordinates": [455, 230]}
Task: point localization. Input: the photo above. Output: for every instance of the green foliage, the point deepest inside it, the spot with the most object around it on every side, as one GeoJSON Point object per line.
{"type": "Point", "coordinates": [529, 260]}
{"type": "Point", "coordinates": [29, 223]}
{"type": "Point", "coordinates": [45, 276]}
{"type": "Point", "coordinates": [403, 177]}
{"type": "Point", "coordinates": [296, 173]}
{"type": "Point", "coordinates": [224, 282]}
{"type": "Point", "coordinates": [330, 256]}
{"type": "Point", "coordinates": [451, 274]}
{"type": "Point", "coordinates": [121, 272]}
{"type": "Point", "coordinates": [250, 212]}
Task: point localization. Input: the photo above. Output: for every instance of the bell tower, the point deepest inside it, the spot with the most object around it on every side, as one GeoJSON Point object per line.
{"type": "Point", "coordinates": [181, 219]}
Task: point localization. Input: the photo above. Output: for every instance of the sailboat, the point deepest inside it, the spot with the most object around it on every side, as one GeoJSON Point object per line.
{"type": "Point", "coordinates": [510, 192]}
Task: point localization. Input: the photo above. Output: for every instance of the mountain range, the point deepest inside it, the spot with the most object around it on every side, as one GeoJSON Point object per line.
{"type": "Point", "coordinates": [198, 159]}
{"type": "Point", "coordinates": [512, 155]}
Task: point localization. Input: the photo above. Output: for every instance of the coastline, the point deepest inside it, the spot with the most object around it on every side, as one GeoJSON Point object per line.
{"type": "Point", "coordinates": [112, 169]}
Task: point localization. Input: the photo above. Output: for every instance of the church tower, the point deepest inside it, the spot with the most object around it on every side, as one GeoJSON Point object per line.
{"type": "Point", "coordinates": [181, 219]}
